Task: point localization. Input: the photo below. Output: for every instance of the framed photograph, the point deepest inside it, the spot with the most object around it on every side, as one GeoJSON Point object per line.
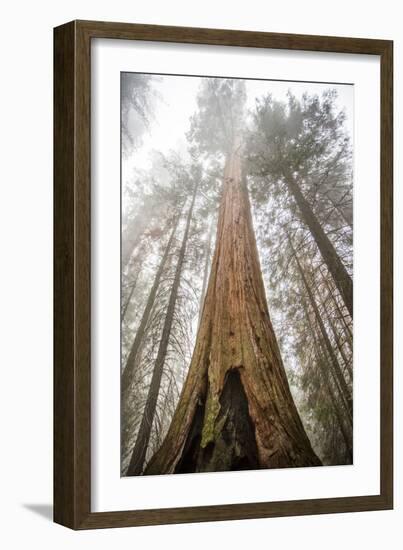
{"type": "Point", "coordinates": [222, 275]}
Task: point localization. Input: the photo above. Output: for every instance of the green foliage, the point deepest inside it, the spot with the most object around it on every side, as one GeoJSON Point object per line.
{"type": "Point", "coordinates": [298, 136]}
{"type": "Point", "coordinates": [304, 137]}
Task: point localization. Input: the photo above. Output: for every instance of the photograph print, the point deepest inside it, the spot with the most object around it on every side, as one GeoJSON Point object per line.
{"type": "Point", "coordinates": [236, 274]}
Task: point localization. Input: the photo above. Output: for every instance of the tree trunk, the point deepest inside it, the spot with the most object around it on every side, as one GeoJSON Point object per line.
{"type": "Point", "coordinates": [207, 250]}
{"type": "Point", "coordinates": [320, 354]}
{"type": "Point", "coordinates": [127, 375]}
{"type": "Point", "coordinates": [346, 394]}
{"type": "Point", "coordinates": [348, 219]}
{"type": "Point", "coordinates": [129, 297]}
{"type": "Point", "coordinates": [236, 410]}
{"type": "Point", "coordinates": [135, 228]}
{"type": "Point", "coordinates": [346, 434]}
{"type": "Point", "coordinates": [339, 344]}
{"type": "Point", "coordinates": [143, 436]}
{"type": "Point", "coordinates": [342, 317]}
{"type": "Point", "coordinates": [323, 302]}
{"type": "Point", "coordinates": [335, 265]}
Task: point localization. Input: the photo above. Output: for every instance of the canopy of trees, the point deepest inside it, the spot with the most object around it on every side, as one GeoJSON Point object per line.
{"type": "Point", "coordinates": [237, 264]}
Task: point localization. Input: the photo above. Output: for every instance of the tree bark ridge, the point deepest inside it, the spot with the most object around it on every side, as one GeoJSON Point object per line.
{"type": "Point", "coordinates": [235, 334]}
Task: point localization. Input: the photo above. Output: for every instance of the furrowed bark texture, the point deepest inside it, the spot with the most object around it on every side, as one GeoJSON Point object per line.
{"type": "Point", "coordinates": [236, 410]}
{"type": "Point", "coordinates": [143, 436]}
{"type": "Point", "coordinates": [336, 267]}
{"type": "Point", "coordinates": [207, 252]}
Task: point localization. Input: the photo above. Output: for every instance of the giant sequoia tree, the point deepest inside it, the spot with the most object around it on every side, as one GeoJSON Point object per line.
{"type": "Point", "coordinates": [252, 209]}
{"type": "Point", "coordinates": [236, 410]}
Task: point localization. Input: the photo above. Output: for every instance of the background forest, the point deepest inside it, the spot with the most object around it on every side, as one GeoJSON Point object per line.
{"type": "Point", "coordinates": [287, 146]}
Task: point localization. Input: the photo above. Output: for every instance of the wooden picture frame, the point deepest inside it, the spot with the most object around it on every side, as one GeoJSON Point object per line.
{"type": "Point", "coordinates": [72, 270]}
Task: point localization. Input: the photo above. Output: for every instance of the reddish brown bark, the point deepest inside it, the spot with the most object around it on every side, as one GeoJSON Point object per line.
{"type": "Point", "coordinates": [207, 252]}
{"type": "Point", "coordinates": [236, 410]}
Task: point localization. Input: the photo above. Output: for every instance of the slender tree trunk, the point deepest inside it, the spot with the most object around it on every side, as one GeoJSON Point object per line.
{"type": "Point", "coordinates": [207, 251]}
{"type": "Point", "coordinates": [127, 375]}
{"type": "Point", "coordinates": [143, 436]}
{"type": "Point", "coordinates": [128, 299]}
{"type": "Point", "coordinates": [133, 283]}
{"type": "Point", "coordinates": [329, 348]}
{"type": "Point", "coordinates": [335, 265]}
{"type": "Point", "coordinates": [236, 410]}
{"type": "Point", "coordinates": [339, 344]}
{"type": "Point", "coordinates": [347, 436]}
{"type": "Point", "coordinates": [330, 320]}
{"type": "Point", "coordinates": [345, 432]}
{"type": "Point", "coordinates": [347, 328]}
{"type": "Point", "coordinates": [347, 219]}
{"type": "Point", "coordinates": [135, 228]}
{"type": "Point", "coordinates": [159, 418]}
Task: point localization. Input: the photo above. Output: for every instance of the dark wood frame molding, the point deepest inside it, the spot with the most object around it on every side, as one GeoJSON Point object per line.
{"type": "Point", "coordinates": [72, 320]}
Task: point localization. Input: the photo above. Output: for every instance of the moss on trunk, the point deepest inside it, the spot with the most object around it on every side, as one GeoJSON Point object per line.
{"type": "Point", "coordinates": [227, 421]}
